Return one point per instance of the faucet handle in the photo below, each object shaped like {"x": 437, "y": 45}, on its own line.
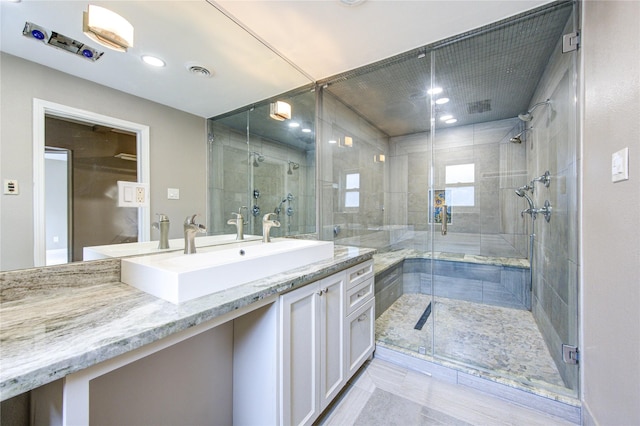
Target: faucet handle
{"x": 191, "y": 220}
{"x": 267, "y": 217}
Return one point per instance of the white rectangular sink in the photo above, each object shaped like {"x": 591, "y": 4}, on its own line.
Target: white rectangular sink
{"x": 178, "y": 277}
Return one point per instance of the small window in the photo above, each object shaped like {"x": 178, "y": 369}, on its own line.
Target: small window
{"x": 352, "y": 191}
{"x": 457, "y": 179}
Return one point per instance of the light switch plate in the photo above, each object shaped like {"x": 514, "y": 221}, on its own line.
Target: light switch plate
{"x": 173, "y": 193}
{"x": 620, "y": 165}
{"x": 133, "y": 194}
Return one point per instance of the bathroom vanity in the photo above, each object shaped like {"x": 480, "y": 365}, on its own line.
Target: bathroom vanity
{"x": 92, "y": 349}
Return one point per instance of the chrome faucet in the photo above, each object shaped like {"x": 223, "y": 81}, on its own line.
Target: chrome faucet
{"x": 191, "y": 228}
{"x": 163, "y": 225}
{"x": 267, "y": 223}
{"x": 239, "y": 223}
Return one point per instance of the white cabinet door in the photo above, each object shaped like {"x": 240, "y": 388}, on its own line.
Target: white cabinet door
{"x": 331, "y": 347}
{"x": 313, "y": 362}
{"x": 300, "y": 366}
{"x": 360, "y": 336}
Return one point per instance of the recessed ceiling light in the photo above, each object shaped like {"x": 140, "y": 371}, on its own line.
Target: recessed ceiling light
{"x": 451, "y": 121}
{"x": 294, "y": 124}
{"x": 153, "y": 61}
{"x": 441, "y": 101}
{"x": 435, "y": 91}
{"x": 446, "y": 117}
{"x": 306, "y": 130}
{"x": 333, "y": 141}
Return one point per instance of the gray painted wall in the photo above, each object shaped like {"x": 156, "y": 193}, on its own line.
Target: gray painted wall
{"x": 611, "y": 213}
{"x": 178, "y": 149}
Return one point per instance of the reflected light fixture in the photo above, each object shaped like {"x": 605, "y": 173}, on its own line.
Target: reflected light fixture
{"x": 378, "y": 158}
{"x": 347, "y": 142}
{"x": 442, "y": 101}
{"x": 280, "y": 111}
{"x": 435, "y": 91}
{"x": 107, "y": 28}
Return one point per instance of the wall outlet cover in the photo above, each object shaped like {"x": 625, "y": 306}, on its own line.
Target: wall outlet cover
{"x": 133, "y": 194}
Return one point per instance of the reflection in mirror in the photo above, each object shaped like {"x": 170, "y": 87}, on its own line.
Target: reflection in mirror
{"x": 265, "y": 165}
{"x": 173, "y": 102}
{"x": 97, "y": 157}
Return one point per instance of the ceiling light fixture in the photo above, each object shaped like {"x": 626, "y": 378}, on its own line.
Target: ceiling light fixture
{"x": 107, "y": 28}
{"x": 153, "y": 61}
{"x": 280, "y": 111}
{"x": 451, "y": 120}
{"x": 446, "y": 117}
{"x": 294, "y": 124}
{"x": 442, "y": 101}
{"x": 435, "y": 91}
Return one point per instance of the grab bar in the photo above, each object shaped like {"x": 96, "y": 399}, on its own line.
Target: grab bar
{"x": 443, "y": 219}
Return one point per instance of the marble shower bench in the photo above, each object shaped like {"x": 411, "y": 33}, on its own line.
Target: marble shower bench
{"x": 497, "y": 281}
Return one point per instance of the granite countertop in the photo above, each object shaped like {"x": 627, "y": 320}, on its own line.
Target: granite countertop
{"x": 50, "y": 327}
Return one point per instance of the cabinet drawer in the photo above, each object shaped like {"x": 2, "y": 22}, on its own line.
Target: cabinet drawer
{"x": 359, "y": 273}
{"x": 359, "y": 295}
{"x": 360, "y": 331}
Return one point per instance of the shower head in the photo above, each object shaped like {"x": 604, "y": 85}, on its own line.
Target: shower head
{"x": 292, "y": 166}
{"x": 516, "y": 138}
{"x": 257, "y": 158}
{"x": 527, "y": 116}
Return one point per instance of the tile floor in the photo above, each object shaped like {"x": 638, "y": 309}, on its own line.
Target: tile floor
{"x": 502, "y": 341}
{"x": 386, "y": 394}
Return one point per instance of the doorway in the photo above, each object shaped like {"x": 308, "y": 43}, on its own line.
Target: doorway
{"x": 99, "y": 146}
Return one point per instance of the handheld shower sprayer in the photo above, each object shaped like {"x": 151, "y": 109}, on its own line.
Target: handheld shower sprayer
{"x": 522, "y": 192}
{"x": 527, "y": 116}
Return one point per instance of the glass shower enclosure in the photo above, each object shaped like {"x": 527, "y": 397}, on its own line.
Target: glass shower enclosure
{"x": 462, "y": 156}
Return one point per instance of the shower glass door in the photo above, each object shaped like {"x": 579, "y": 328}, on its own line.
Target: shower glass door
{"x": 489, "y": 313}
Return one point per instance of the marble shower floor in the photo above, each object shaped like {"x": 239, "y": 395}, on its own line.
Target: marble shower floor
{"x": 499, "y": 341}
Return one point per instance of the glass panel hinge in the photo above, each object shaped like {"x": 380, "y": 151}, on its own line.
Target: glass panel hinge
{"x": 570, "y": 42}
{"x": 570, "y": 354}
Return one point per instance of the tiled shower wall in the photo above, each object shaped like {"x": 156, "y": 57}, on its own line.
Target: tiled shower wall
{"x": 552, "y": 146}
{"x": 232, "y": 181}
{"x": 348, "y": 225}
{"x": 491, "y": 225}
{"x": 394, "y": 195}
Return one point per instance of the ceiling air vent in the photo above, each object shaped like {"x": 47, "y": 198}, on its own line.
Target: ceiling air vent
{"x": 479, "y": 106}
{"x": 199, "y": 71}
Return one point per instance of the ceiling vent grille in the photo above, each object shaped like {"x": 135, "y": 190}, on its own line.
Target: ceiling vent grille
{"x": 479, "y": 106}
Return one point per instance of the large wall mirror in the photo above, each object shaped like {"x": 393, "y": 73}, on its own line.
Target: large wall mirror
{"x": 261, "y": 165}
{"x": 175, "y": 102}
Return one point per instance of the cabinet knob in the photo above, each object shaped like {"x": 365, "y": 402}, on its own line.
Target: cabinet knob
{"x": 362, "y": 317}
